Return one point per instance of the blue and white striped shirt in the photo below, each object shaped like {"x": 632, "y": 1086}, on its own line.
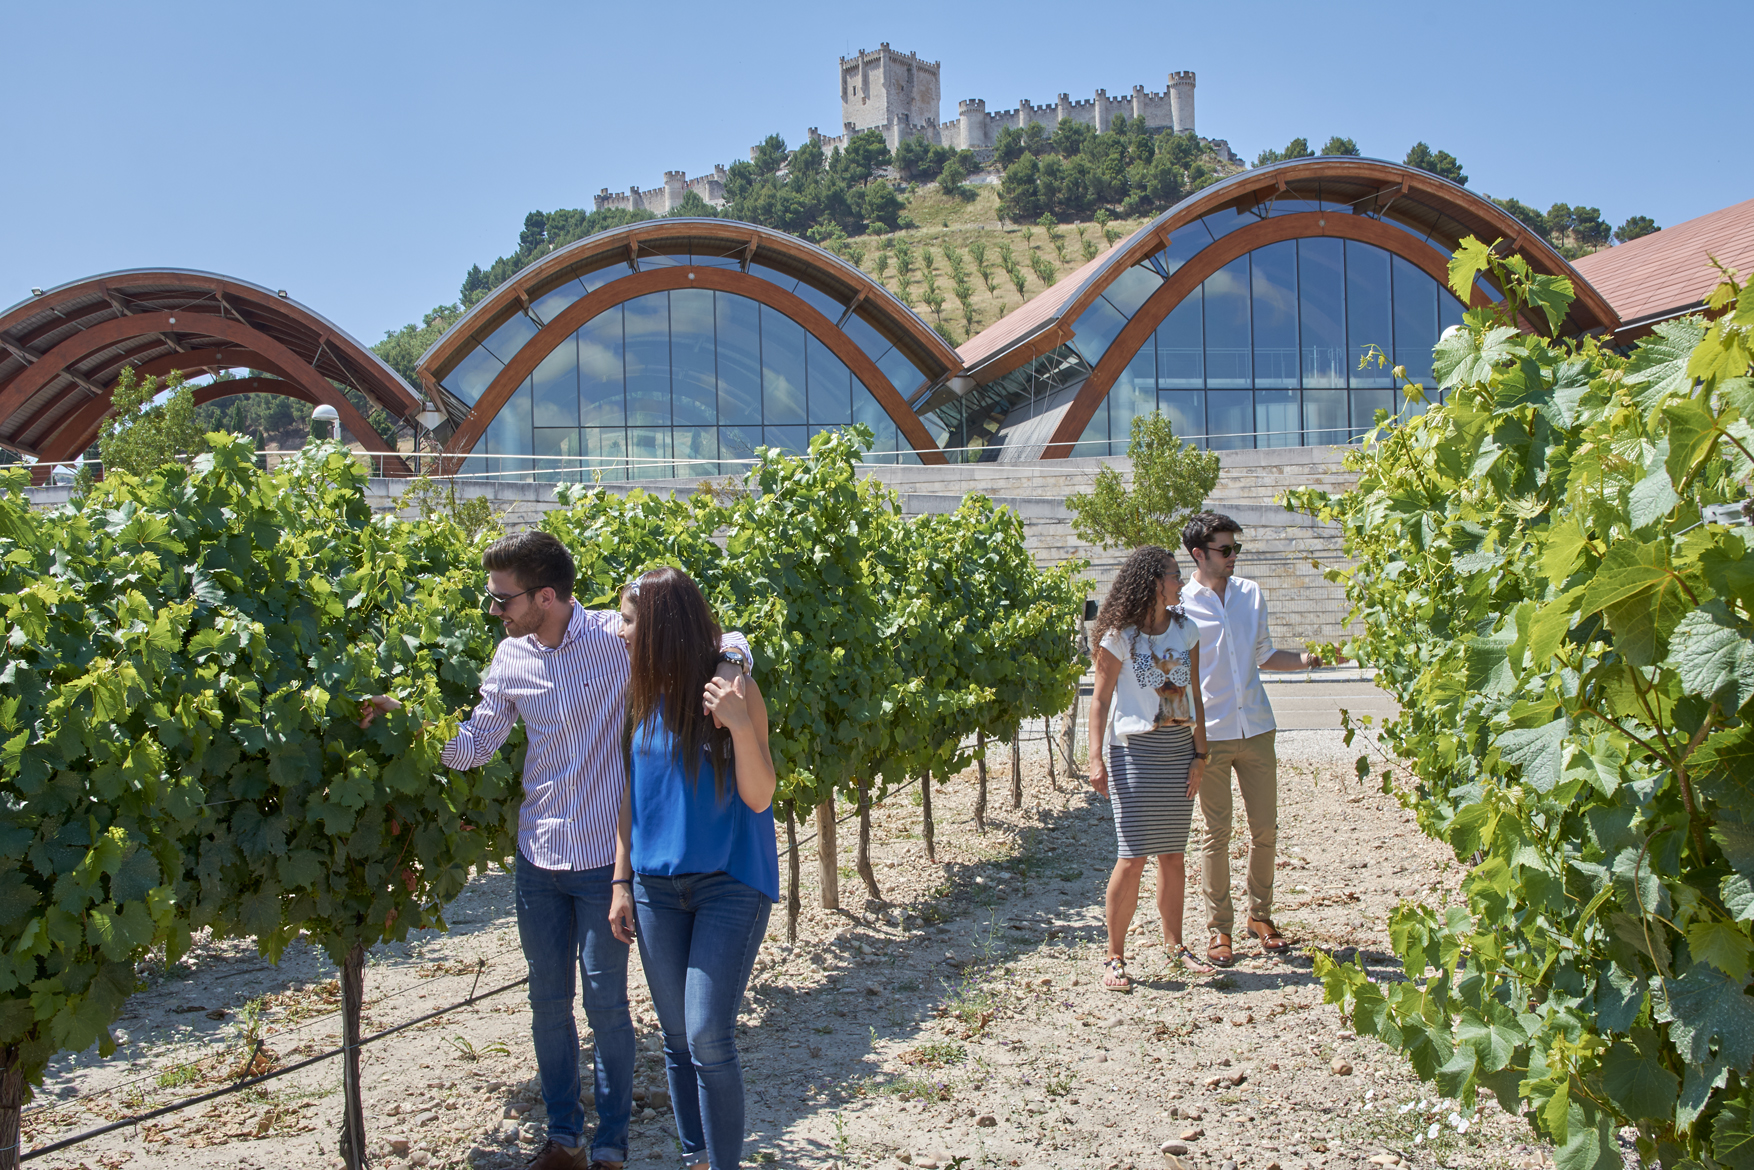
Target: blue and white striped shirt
{"x": 573, "y": 701}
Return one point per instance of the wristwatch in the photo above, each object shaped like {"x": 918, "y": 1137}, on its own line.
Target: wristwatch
{"x": 1202, "y": 755}
{"x": 736, "y": 658}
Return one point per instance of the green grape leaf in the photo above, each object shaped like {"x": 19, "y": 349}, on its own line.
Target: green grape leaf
{"x": 1736, "y": 838}
{"x": 1460, "y": 358}
{"x": 1724, "y": 764}
{"x": 1553, "y": 296}
{"x": 1637, "y": 1085}
{"x": 1692, "y": 432}
{"x": 1488, "y": 664}
{"x": 137, "y": 873}
{"x": 1652, "y": 497}
{"x": 1713, "y": 655}
{"x": 1732, "y": 1137}
{"x": 1471, "y": 258}
{"x": 1590, "y": 1143}
{"x": 1539, "y": 751}
{"x": 1723, "y": 945}
{"x": 1659, "y": 364}
{"x": 1737, "y": 894}
{"x": 1707, "y": 1007}
{"x": 1696, "y": 1086}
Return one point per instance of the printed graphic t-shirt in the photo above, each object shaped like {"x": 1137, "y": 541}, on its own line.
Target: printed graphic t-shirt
{"x": 1156, "y": 669}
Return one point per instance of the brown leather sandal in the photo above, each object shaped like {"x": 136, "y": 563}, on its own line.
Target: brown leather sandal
{"x": 1219, "y": 950}
{"x": 1271, "y": 940}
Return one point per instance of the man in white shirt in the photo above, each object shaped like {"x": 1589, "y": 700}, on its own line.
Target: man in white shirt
{"x": 1235, "y": 646}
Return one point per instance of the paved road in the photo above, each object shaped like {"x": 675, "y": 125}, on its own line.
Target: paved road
{"x": 1298, "y": 705}
{"x": 1312, "y": 700}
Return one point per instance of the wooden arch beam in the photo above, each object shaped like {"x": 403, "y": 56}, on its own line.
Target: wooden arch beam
{"x": 1187, "y": 278}
{"x": 639, "y": 284}
{"x": 278, "y": 358}
{"x": 80, "y": 431}
{"x": 198, "y": 359}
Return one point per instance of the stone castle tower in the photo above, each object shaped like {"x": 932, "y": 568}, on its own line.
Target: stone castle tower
{"x": 898, "y": 93}
{"x": 888, "y": 88}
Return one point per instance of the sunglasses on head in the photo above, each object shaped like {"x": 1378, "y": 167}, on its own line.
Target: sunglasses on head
{"x": 1225, "y": 550}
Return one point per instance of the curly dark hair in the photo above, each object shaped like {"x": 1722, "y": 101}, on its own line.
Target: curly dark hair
{"x": 1133, "y": 594}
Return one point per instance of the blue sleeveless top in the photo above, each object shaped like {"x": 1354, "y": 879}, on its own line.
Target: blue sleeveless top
{"x": 681, "y": 826}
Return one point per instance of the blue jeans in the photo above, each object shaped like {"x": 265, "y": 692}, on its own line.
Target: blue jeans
{"x": 563, "y": 919}
{"x": 698, "y": 934}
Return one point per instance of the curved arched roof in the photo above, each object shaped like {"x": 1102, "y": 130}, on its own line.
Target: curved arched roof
{"x": 62, "y": 351}
{"x": 558, "y": 293}
{"x": 1425, "y": 211}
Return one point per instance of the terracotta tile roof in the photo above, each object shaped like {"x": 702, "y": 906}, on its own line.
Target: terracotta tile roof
{"x": 1033, "y": 314}
{"x": 1671, "y": 270}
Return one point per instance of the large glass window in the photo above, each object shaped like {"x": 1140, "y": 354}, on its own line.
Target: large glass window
{"x": 1321, "y": 310}
{"x": 1227, "y": 326}
{"x": 1369, "y": 322}
{"x": 1181, "y": 350}
{"x": 1265, "y": 352}
{"x": 670, "y": 384}
{"x": 1273, "y": 285}
{"x": 1415, "y": 320}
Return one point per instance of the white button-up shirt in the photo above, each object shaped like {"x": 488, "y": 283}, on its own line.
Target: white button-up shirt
{"x": 573, "y": 701}
{"x": 1234, "y": 642}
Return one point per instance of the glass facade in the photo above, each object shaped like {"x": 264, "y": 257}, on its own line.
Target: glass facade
{"x": 676, "y": 384}
{"x": 673, "y": 384}
{"x": 1266, "y": 352}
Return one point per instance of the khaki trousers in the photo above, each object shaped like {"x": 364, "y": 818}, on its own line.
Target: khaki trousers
{"x": 1257, "y": 775}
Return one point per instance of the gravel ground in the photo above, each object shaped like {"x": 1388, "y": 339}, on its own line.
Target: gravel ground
{"x": 958, "y": 1021}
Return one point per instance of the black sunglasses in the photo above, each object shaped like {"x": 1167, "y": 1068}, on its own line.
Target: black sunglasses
{"x": 1225, "y": 550}
{"x": 489, "y": 599}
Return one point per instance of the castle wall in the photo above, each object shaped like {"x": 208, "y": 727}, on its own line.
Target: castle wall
{"x": 663, "y": 200}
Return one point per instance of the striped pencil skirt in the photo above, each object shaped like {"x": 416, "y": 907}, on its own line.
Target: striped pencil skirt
{"x": 1148, "y": 782}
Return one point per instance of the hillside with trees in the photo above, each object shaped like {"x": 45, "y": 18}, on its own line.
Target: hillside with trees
{"x": 961, "y": 240}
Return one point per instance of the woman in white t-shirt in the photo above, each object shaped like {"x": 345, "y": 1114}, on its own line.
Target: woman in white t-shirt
{"x": 1153, "y": 750}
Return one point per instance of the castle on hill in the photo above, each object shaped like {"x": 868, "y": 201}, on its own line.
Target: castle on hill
{"x": 898, "y": 93}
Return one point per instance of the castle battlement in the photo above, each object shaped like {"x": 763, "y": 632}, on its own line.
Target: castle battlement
{"x": 665, "y": 199}
{"x": 898, "y": 93}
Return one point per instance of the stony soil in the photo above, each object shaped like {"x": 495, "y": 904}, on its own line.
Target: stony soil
{"x": 958, "y": 1022}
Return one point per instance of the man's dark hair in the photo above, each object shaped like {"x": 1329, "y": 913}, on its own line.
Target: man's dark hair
{"x": 1204, "y": 526}
{"x": 537, "y": 559}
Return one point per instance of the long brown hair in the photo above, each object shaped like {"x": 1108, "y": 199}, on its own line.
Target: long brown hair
{"x": 674, "y": 651}
{"x": 1133, "y": 594}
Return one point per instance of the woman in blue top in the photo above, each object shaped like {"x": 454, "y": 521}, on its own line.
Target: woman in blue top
{"x": 695, "y": 862}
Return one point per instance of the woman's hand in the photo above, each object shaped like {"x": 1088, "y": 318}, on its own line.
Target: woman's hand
{"x": 369, "y": 709}
{"x": 1099, "y": 775}
{"x": 726, "y": 701}
{"x": 621, "y": 919}
{"x": 1196, "y": 773}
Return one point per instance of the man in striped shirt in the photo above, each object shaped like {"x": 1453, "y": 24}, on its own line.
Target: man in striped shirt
{"x": 563, "y": 670}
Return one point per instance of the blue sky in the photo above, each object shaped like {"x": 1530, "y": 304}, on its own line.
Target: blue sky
{"x": 363, "y": 155}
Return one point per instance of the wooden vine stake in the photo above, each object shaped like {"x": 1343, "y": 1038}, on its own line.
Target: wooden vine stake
{"x": 1017, "y": 768}
{"x": 828, "y": 855}
{"x": 863, "y": 859}
{"x": 928, "y": 831}
{"x": 353, "y": 1101}
{"x": 11, "y": 1106}
{"x": 1069, "y": 740}
{"x": 792, "y": 906}
{"x": 1047, "y": 734}
{"x": 980, "y": 792}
